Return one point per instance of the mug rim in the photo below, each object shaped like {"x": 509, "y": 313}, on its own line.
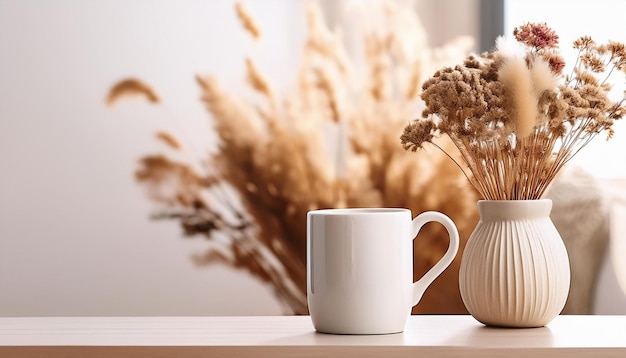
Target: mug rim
{"x": 358, "y": 211}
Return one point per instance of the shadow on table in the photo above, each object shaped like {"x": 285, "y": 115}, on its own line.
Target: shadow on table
{"x": 323, "y": 339}
{"x": 483, "y": 336}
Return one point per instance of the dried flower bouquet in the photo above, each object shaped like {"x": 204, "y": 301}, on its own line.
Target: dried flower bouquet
{"x": 330, "y": 142}
{"x": 513, "y": 114}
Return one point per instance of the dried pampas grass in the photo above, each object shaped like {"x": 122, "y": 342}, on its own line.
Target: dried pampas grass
{"x": 169, "y": 140}
{"x": 131, "y": 87}
{"x": 330, "y": 142}
{"x": 517, "y": 82}
{"x": 247, "y": 21}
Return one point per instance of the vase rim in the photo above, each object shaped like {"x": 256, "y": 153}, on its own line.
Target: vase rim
{"x": 514, "y": 209}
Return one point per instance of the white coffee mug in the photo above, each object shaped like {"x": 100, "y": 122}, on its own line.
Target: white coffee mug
{"x": 360, "y": 268}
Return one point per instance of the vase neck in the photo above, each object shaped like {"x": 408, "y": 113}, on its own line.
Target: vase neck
{"x": 514, "y": 209}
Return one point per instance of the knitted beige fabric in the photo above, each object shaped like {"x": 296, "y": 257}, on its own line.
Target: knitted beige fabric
{"x": 580, "y": 214}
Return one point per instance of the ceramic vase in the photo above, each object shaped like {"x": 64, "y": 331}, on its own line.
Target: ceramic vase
{"x": 515, "y": 269}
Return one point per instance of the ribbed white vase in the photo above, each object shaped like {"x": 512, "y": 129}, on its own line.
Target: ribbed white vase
{"x": 515, "y": 270}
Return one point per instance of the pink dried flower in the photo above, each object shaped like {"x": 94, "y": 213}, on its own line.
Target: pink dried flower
{"x": 535, "y": 35}
{"x": 557, "y": 63}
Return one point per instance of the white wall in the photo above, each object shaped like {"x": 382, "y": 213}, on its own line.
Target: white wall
{"x": 75, "y": 233}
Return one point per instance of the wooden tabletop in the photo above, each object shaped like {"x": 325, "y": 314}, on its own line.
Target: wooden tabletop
{"x": 294, "y": 336}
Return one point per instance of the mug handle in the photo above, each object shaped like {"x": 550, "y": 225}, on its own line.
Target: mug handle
{"x": 422, "y": 284}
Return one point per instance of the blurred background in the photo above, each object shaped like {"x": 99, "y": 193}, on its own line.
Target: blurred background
{"x": 76, "y": 233}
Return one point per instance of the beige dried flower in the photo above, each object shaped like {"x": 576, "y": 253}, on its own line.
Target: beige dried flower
{"x": 515, "y": 119}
